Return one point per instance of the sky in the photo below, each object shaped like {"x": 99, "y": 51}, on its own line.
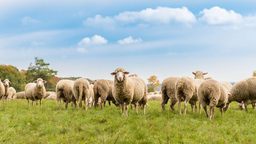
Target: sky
{"x": 91, "y": 38}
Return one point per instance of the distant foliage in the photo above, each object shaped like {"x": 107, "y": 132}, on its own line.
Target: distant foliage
{"x": 153, "y": 83}
{"x": 16, "y": 77}
{"x": 41, "y": 70}
{"x": 254, "y": 73}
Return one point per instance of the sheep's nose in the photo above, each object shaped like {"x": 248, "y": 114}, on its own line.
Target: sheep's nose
{"x": 120, "y": 78}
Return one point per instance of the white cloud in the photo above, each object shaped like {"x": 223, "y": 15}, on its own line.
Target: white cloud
{"x": 164, "y": 15}
{"x": 89, "y": 42}
{"x": 28, "y": 20}
{"x": 128, "y": 40}
{"x": 217, "y": 15}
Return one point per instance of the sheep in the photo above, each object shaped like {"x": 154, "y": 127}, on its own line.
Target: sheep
{"x": 64, "y": 91}
{"x": 214, "y": 94}
{"x": 241, "y": 105}
{"x": 129, "y": 90}
{"x": 9, "y": 91}
{"x": 103, "y": 89}
{"x": 2, "y": 90}
{"x": 51, "y": 96}
{"x": 186, "y": 90}
{"x": 19, "y": 95}
{"x": 155, "y": 97}
{"x": 91, "y": 95}
{"x": 35, "y": 91}
{"x": 243, "y": 92}
{"x": 81, "y": 91}
{"x": 199, "y": 74}
{"x": 168, "y": 92}
{"x": 48, "y": 93}
{"x": 227, "y": 85}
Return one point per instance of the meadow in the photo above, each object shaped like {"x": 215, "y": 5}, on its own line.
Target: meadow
{"x": 20, "y": 123}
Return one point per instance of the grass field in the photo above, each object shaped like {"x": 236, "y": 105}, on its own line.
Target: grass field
{"x": 21, "y": 123}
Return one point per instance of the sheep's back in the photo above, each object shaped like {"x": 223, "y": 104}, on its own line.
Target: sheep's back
{"x": 29, "y": 90}
{"x": 209, "y": 90}
{"x": 64, "y": 88}
{"x": 168, "y": 86}
{"x": 138, "y": 87}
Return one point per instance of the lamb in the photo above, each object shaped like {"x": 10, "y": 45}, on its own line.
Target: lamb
{"x": 9, "y": 91}
{"x": 64, "y": 91}
{"x": 214, "y": 94}
{"x": 103, "y": 89}
{"x": 199, "y": 74}
{"x": 129, "y": 90}
{"x": 19, "y": 95}
{"x": 2, "y": 90}
{"x": 81, "y": 91}
{"x": 168, "y": 92}
{"x": 35, "y": 91}
{"x": 243, "y": 92}
{"x": 186, "y": 90}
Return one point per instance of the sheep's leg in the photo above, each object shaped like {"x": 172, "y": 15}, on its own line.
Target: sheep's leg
{"x": 144, "y": 109}
{"x": 179, "y": 101}
{"x": 122, "y": 106}
{"x": 195, "y": 108}
{"x": 28, "y": 101}
{"x": 66, "y": 105}
{"x": 86, "y": 104}
{"x": 185, "y": 106}
{"x": 59, "y": 103}
{"x": 211, "y": 112}
{"x": 205, "y": 109}
{"x": 132, "y": 106}
{"x": 74, "y": 102}
{"x": 221, "y": 111}
{"x": 173, "y": 102}
{"x": 109, "y": 103}
{"x": 40, "y": 102}
{"x": 126, "y": 109}
{"x": 200, "y": 107}
{"x": 103, "y": 101}
{"x": 192, "y": 108}
{"x": 36, "y": 102}
{"x": 136, "y": 107}
{"x": 253, "y": 106}
{"x": 164, "y": 101}
{"x": 32, "y": 102}
{"x": 96, "y": 98}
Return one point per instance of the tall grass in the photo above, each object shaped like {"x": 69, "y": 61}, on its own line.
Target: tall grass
{"x": 20, "y": 123}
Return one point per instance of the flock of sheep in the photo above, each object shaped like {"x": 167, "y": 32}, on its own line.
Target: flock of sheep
{"x": 131, "y": 90}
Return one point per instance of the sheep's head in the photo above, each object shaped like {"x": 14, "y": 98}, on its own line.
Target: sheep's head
{"x": 119, "y": 74}
{"x": 40, "y": 82}
{"x": 199, "y": 74}
{"x": 7, "y": 83}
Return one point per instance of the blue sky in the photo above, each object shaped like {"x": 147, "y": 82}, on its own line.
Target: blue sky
{"x": 163, "y": 38}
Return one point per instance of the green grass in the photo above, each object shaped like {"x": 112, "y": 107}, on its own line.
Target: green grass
{"x": 20, "y": 123}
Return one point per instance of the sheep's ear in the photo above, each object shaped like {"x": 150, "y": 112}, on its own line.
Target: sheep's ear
{"x": 35, "y": 81}
{"x": 205, "y": 73}
{"x": 193, "y": 73}
{"x": 113, "y": 73}
{"x": 10, "y": 83}
{"x": 3, "y": 82}
{"x": 44, "y": 81}
{"x": 229, "y": 94}
{"x": 126, "y": 72}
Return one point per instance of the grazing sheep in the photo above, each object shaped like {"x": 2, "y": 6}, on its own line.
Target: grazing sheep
{"x": 241, "y": 105}
{"x": 129, "y": 90}
{"x": 9, "y": 91}
{"x": 199, "y": 74}
{"x": 35, "y": 91}
{"x": 91, "y": 95}
{"x": 64, "y": 91}
{"x": 133, "y": 75}
{"x": 214, "y": 94}
{"x": 243, "y": 92}
{"x": 103, "y": 89}
{"x": 155, "y": 97}
{"x": 19, "y": 95}
{"x": 48, "y": 93}
{"x": 186, "y": 90}
{"x": 2, "y": 90}
{"x": 168, "y": 92}
{"x": 52, "y": 96}
{"x": 227, "y": 85}
{"x": 81, "y": 91}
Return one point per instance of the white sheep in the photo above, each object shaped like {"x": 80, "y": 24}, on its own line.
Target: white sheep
{"x": 213, "y": 94}
{"x": 19, "y": 95}
{"x": 186, "y": 90}
{"x": 81, "y": 91}
{"x": 2, "y": 90}
{"x": 168, "y": 92}
{"x": 64, "y": 91}
{"x": 129, "y": 90}
{"x": 9, "y": 91}
{"x": 103, "y": 89}
{"x": 199, "y": 74}
{"x": 35, "y": 91}
{"x": 91, "y": 95}
{"x": 51, "y": 96}
{"x": 243, "y": 92}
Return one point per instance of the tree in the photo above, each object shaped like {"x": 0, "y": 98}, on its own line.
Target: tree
{"x": 41, "y": 70}
{"x": 12, "y": 73}
{"x": 153, "y": 84}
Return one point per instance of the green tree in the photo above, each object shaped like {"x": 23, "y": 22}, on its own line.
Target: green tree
{"x": 153, "y": 83}
{"x": 12, "y": 73}
{"x": 41, "y": 70}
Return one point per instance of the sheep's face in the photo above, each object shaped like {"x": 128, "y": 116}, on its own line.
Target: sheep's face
{"x": 40, "y": 82}
{"x": 119, "y": 74}
{"x": 199, "y": 74}
{"x": 7, "y": 83}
